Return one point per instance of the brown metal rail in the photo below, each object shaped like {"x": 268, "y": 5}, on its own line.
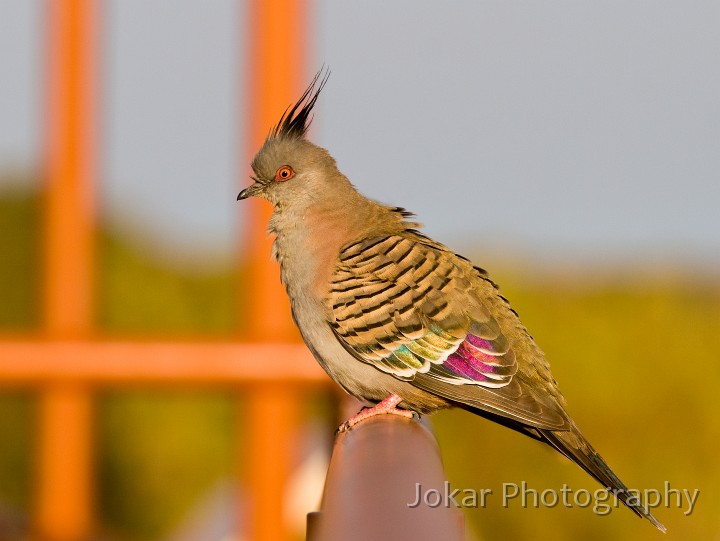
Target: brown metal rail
{"x": 375, "y": 473}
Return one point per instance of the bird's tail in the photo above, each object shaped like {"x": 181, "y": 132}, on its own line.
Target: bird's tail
{"x": 573, "y": 445}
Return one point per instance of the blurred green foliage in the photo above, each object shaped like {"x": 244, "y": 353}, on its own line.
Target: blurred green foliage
{"x": 19, "y": 260}
{"x": 141, "y": 295}
{"x": 637, "y": 358}
{"x": 160, "y": 452}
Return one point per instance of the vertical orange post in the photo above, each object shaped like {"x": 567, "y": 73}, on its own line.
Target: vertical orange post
{"x": 275, "y": 80}
{"x": 70, "y": 167}
{"x": 64, "y": 476}
{"x": 64, "y": 499}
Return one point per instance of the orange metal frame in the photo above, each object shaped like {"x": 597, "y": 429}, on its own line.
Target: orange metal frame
{"x": 68, "y": 362}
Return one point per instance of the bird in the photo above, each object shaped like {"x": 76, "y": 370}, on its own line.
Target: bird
{"x": 396, "y": 318}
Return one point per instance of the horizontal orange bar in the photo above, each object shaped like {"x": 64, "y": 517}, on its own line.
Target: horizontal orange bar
{"x": 116, "y": 362}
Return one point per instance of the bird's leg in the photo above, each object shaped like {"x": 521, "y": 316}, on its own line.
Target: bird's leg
{"x": 386, "y": 406}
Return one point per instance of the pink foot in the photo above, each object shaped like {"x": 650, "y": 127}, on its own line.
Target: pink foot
{"x": 386, "y": 406}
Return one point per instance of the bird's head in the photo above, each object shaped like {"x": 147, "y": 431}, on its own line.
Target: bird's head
{"x": 289, "y": 168}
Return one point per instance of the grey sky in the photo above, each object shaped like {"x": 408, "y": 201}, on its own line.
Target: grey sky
{"x": 560, "y": 129}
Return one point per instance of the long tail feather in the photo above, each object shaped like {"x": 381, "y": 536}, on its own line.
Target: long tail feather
{"x": 573, "y": 445}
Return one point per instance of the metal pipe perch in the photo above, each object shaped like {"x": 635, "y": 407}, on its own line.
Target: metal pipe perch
{"x": 372, "y": 481}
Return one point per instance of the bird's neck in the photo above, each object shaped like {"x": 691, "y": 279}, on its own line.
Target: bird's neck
{"x": 308, "y": 240}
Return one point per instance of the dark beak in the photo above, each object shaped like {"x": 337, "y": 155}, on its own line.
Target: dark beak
{"x": 250, "y": 191}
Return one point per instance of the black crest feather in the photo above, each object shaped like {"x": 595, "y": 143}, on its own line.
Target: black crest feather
{"x": 296, "y": 120}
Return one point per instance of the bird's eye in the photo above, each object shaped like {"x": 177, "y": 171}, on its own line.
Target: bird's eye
{"x": 284, "y": 173}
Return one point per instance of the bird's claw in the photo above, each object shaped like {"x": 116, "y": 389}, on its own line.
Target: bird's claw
{"x": 387, "y": 406}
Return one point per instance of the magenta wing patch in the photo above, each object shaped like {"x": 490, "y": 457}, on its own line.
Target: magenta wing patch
{"x": 477, "y": 359}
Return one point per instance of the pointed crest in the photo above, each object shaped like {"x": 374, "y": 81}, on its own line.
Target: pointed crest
{"x": 296, "y": 120}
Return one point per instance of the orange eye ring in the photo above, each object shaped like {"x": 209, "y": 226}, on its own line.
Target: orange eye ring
{"x": 284, "y": 173}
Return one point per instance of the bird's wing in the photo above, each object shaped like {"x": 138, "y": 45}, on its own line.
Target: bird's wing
{"x": 412, "y": 309}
